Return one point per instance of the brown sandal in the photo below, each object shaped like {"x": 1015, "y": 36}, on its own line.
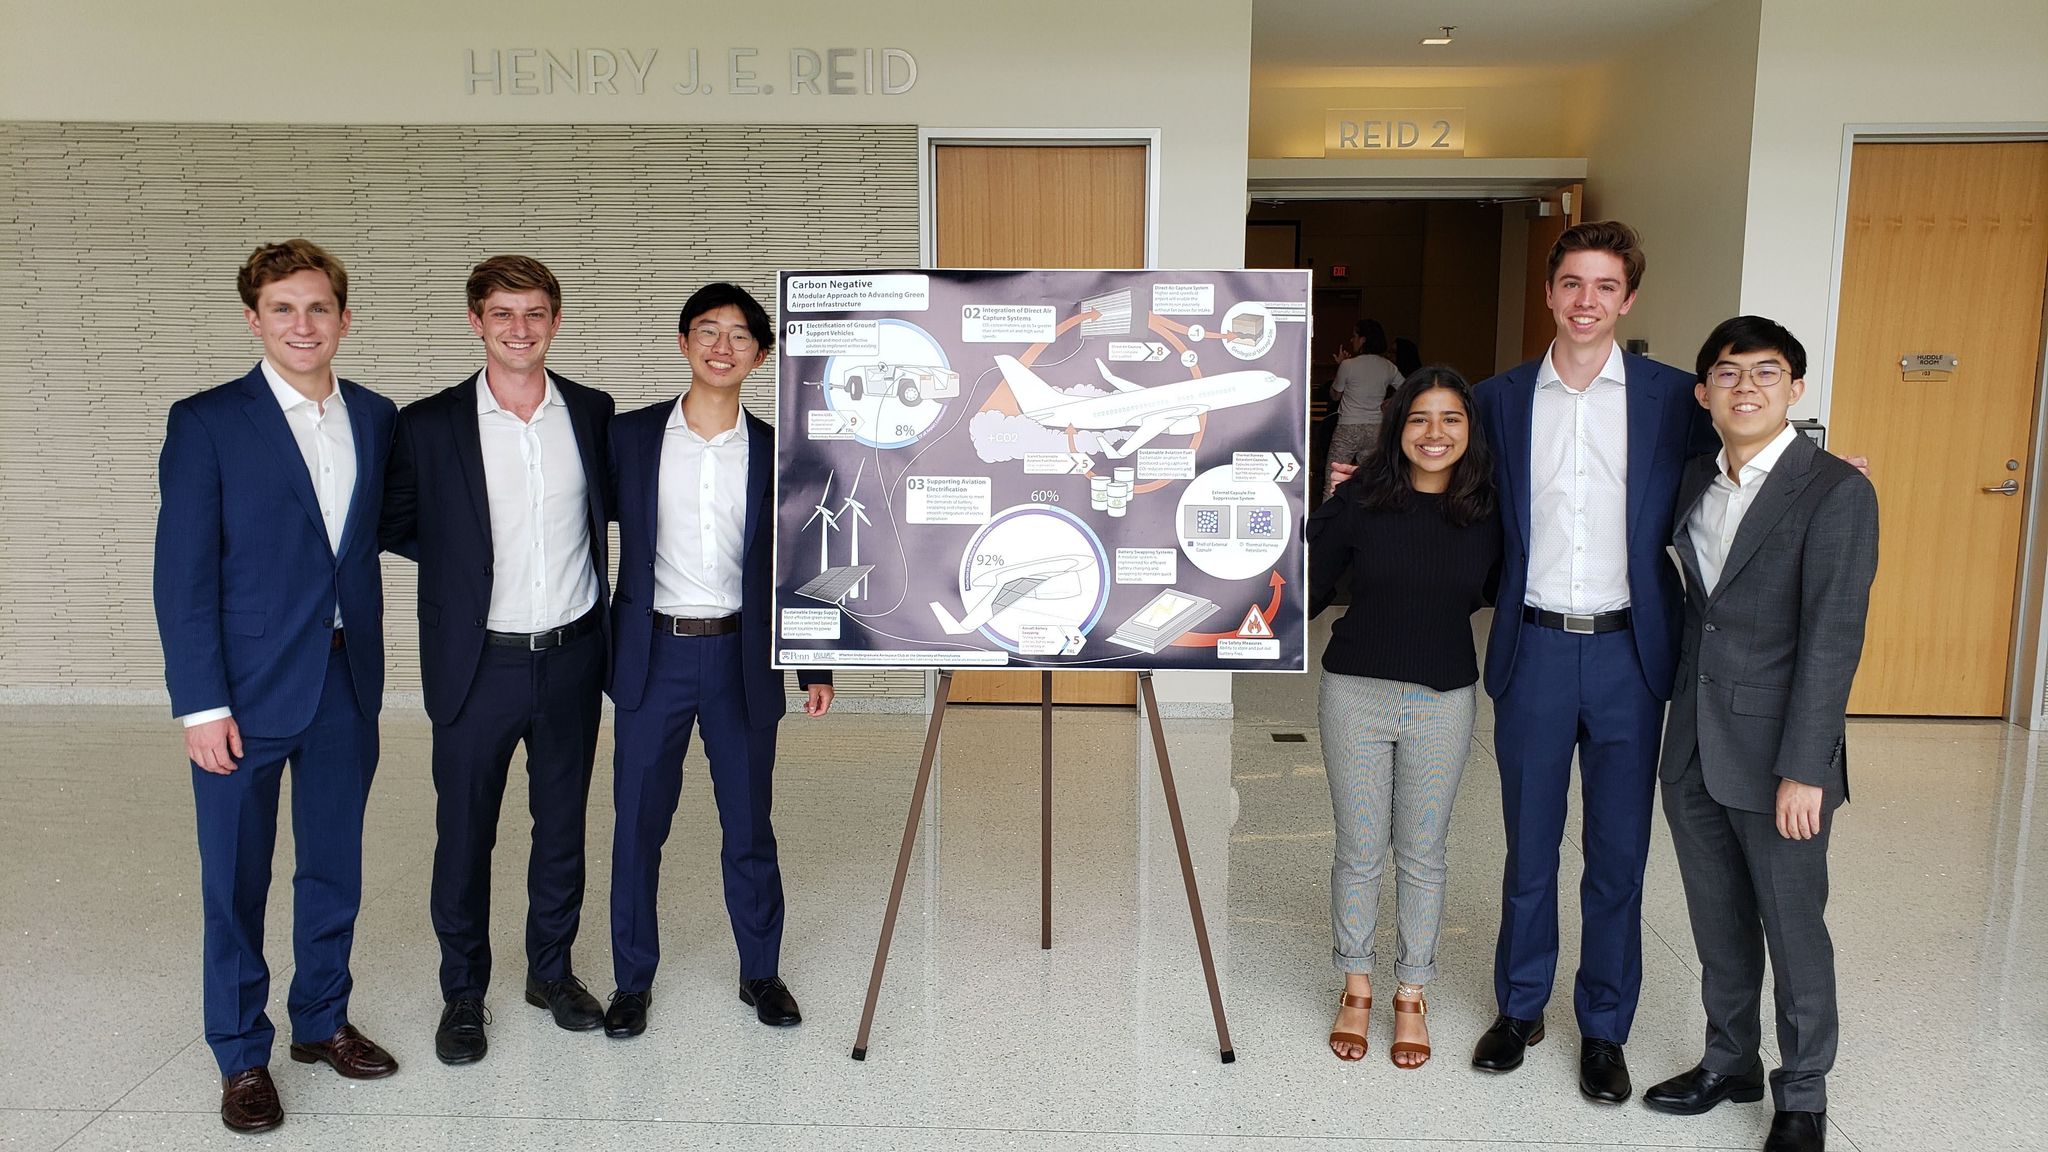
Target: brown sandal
{"x": 1416, "y": 1007}
{"x": 1347, "y": 1000}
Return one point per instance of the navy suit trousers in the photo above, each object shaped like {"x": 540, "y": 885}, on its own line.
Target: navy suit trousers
{"x": 332, "y": 762}
{"x": 1585, "y": 694}
{"x": 550, "y": 700}
{"x": 693, "y": 681}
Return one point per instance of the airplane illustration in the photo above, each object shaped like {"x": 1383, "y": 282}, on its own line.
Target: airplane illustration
{"x": 1049, "y": 579}
{"x": 1163, "y": 408}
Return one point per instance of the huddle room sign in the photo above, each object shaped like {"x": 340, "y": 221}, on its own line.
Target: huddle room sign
{"x": 687, "y": 72}
{"x": 1410, "y": 131}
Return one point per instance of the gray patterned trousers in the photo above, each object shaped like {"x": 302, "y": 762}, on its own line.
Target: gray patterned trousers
{"x": 1393, "y": 753}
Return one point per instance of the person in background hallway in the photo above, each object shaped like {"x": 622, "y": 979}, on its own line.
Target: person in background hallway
{"x": 1779, "y": 545}
{"x": 691, "y": 642}
{"x": 1592, "y": 442}
{"x": 1364, "y": 378}
{"x": 497, "y": 489}
{"x": 270, "y": 605}
{"x": 1419, "y": 533}
{"x": 1407, "y": 358}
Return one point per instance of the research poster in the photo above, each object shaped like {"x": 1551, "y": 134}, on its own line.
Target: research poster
{"x": 1042, "y": 470}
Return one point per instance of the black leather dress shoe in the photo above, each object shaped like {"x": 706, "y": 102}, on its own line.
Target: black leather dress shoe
{"x": 460, "y": 1038}
{"x": 1502, "y": 1046}
{"x": 1603, "y": 1072}
{"x": 1694, "y": 1092}
{"x": 1798, "y": 1132}
{"x": 628, "y": 1014}
{"x": 771, "y": 1001}
{"x": 571, "y": 1003}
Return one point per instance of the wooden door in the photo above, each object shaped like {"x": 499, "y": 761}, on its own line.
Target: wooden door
{"x": 1033, "y": 206}
{"x": 1538, "y": 326}
{"x": 1946, "y": 251}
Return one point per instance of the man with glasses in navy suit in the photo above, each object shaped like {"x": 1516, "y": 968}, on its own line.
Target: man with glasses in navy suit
{"x": 691, "y": 484}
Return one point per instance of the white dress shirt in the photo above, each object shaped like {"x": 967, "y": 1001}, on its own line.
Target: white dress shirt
{"x": 328, "y": 446}
{"x": 700, "y": 516}
{"x": 1718, "y": 515}
{"x": 1578, "y": 499}
{"x": 541, "y": 575}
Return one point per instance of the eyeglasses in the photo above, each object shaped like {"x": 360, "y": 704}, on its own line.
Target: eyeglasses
{"x": 706, "y": 335}
{"x": 1729, "y": 375}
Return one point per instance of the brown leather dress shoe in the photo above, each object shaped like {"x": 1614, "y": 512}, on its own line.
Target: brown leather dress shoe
{"x": 350, "y": 1053}
{"x": 248, "y": 1101}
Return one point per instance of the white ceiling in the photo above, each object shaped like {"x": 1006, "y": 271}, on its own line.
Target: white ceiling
{"x": 1312, "y": 42}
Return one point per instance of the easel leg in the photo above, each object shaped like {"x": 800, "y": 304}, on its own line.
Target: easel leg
{"x": 1045, "y": 810}
{"x": 1187, "y": 869}
{"x": 924, "y": 779}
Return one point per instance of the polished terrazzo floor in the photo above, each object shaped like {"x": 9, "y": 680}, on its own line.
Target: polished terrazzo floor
{"x": 982, "y": 1040}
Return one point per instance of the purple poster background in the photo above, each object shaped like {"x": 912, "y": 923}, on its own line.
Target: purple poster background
{"x": 1042, "y": 470}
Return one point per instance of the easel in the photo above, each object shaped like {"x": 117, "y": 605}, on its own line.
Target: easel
{"x": 1180, "y": 843}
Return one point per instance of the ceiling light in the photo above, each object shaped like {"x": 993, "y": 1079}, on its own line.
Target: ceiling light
{"x": 1439, "y": 41}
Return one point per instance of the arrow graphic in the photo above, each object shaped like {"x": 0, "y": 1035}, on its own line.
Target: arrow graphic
{"x": 1209, "y": 639}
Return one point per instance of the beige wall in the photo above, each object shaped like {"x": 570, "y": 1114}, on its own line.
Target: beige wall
{"x": 1667, "y": 146}
{"x": 1180, "y": 68}
{"x": 1826, "y": 64}
{"x": 1505, "y": 119}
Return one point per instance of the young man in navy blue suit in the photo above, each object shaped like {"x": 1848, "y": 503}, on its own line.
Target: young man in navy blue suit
{"x": 269, "y": 602}
{"x": 1591, "y": 443}
{"x": 497, "y": 489}
{"x": 692, "y": 493}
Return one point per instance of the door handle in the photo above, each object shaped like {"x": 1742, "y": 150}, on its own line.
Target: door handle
{"x": 2009, "y": 488}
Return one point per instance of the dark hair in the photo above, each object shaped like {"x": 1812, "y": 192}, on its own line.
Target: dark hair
{"x": 1610, "y": 236}
{"x": 1407, "y": 357}
{"x": 1372, "y": 337}
{"x": 512, "y": 274}
{"x": 1752, "y": 334}
{"x": 270, "y": 263}
{"x": 712, "y": 297}
{"x": 1383, "y": 476}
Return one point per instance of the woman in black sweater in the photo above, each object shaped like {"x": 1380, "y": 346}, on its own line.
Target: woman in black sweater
{"x": 1418, "y": 530}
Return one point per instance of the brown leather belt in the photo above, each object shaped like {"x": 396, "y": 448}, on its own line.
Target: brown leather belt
{"x": 1577, "y": 625}
{"x": 688, "y": 626}
{"x": 552, "y": 638}
{"x": 338, "y": 643}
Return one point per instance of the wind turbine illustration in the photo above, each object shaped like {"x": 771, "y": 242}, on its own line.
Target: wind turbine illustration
{"x": 831, "y": 519}
{"x": 860, "y": 517}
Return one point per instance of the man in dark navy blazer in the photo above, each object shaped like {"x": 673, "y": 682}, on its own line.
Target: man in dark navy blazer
{"x": 1590, "y": 444}
{"x": 691, "y": 484}
{"x": 269, "y": 602}
{"x": 497, "y": 489}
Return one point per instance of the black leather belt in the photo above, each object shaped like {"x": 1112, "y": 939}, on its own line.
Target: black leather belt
{"x": 552, "y": 638}
{"x": 1578, "y": 625}
{"x": 688, "y": 626}
{"x": 339, "y": 642}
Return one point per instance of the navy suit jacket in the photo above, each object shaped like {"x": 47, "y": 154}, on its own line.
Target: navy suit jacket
{"x": 1666, "y": 427}
{"x": 245, "y": 580}
{"x": 636, "y": 441}
{"x": 438, "y": 512}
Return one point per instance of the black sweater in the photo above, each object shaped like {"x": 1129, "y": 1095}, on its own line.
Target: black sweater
{"x": 1416, "y": 579}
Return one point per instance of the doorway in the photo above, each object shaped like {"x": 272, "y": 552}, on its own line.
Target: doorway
{"x": 1943, "y": 256}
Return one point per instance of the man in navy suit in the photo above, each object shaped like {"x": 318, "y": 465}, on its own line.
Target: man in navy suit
{"x": 1591, "y": 443}
{"x": 269, "y": 602}
{"x": 691, "y": 647}
{"x": 497, "y": 489}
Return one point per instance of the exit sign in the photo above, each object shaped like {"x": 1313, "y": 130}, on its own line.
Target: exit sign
{"x": 1392, "y": 131}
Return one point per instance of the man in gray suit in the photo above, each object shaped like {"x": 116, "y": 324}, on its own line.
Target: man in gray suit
{"x": 1779, "y": 545}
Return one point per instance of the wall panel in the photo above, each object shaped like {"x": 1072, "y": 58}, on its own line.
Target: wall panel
{"x": 118, "y": 250}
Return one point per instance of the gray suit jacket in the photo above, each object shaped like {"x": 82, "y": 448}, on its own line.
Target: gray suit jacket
{"x": 1766, "y": 660}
